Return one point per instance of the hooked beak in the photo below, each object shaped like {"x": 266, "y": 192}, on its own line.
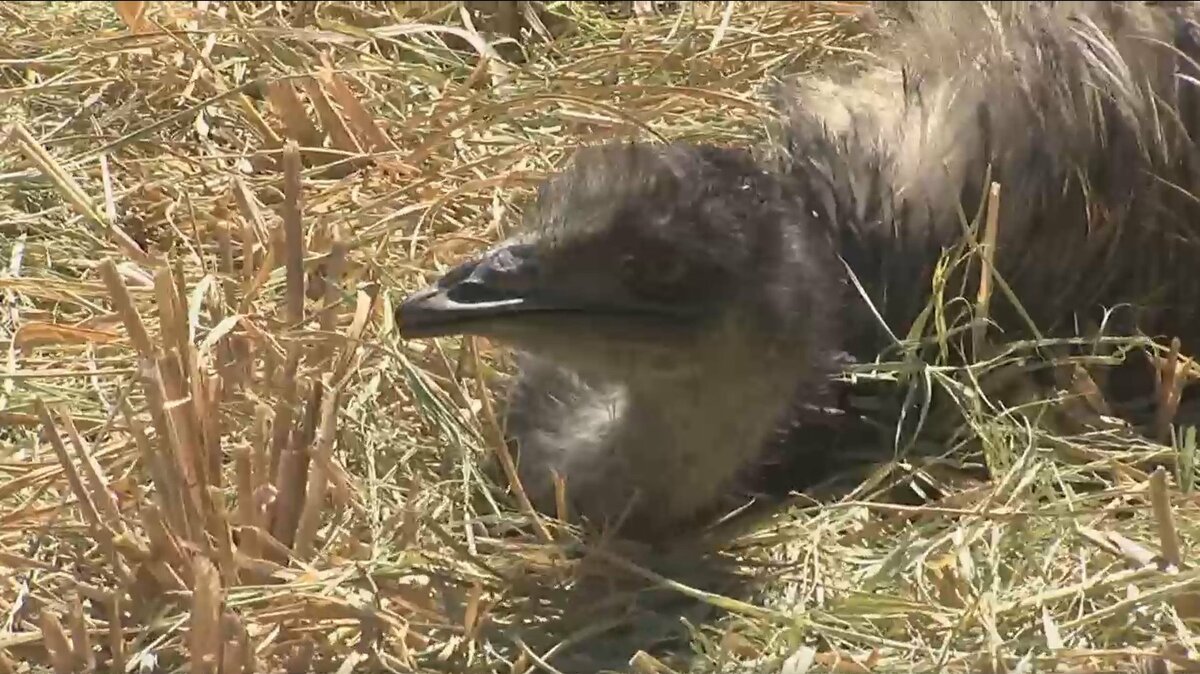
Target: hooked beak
{"x": 499, "y": 284}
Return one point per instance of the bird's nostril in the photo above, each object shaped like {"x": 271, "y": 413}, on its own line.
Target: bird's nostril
{"x": 458, "y": 274}
{"x": 473, "y": 292}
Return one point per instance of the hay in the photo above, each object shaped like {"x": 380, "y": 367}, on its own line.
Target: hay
{"x": 216, "y": 455}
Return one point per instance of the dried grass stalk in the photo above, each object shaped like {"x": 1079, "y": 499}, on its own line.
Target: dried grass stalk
{"x": 205, "y": 640}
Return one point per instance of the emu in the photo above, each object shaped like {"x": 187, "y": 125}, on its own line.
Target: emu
{"x": 678, "y": 310}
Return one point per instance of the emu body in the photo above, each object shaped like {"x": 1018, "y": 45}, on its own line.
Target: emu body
{"x": 680, "y": 308}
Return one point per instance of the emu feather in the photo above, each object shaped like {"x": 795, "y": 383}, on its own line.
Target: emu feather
{"x": 679, "y": 309}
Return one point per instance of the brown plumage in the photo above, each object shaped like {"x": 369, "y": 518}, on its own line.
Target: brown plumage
{"x": 679, "y": 309}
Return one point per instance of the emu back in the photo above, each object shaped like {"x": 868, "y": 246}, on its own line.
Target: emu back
{"x": 1085, "y": 114}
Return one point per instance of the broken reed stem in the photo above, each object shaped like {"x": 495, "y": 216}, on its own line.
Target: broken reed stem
{"x": 58, "y": 647}
{"x": 293, "y": 474}
{"x": 116, "y": 636}
{"x": 273, "y": 551}
{"x": 170, "y": 485}
{"x": 332, "y": 269}
{"x": 254, "y": 228}
{"x": 1170, "y": 391}
{"x": 239, "y": 652}
{"x": 293, "y": 228}
{"x": 124, "y": 307}
{"x": 284, "y": 411}
{"x": 87, "y": 506}
{"x": 81, "y": 642}
{"x": 987, "y": 256}
{"x": 284, "y": 462}
{"x": 166, "y": 491}
{"x": 226, "y": 352}
{"x": 360, "y": 119}
{"x": 177, "y": 463}
{"x": 243, "y": 470}
{"x": 1164, "y": 518}
{"x": 560, "y": 496}
{"x": 204, "y": 631}
{"x": 168, "y": 567}
{"x": 284, "y": 99}
{"x": 206, "y": 405}
{"x": 92, "y": 473}
{"x": 364, "y": 308}
{"x": 184, "y": 436}
{"x": 168, "y": 449}
{"x": 220, "y": 528}
{"x": 172, "y": 315}
{"x": 254, "y": 231}
{"x": 318, "y": 475}
{"x": 333, "y": 123}
{"x": 260, "y": 466}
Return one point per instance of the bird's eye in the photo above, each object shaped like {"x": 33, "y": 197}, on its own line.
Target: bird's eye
{"x": 673, "y": 271}
{"x": 654, "y": 276}
{"x": 629, "y": 270}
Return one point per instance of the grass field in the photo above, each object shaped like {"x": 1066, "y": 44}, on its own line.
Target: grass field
{"x": 215, "y": 455}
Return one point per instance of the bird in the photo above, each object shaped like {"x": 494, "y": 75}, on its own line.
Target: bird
{"x": 679, "y": 310}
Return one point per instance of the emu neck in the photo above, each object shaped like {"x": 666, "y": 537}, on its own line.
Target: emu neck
{"x": 683, "y": 443}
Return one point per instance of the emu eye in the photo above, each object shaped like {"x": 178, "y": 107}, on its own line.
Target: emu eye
{"x": 672, "y": 272}
{"x": 655, "y": 275}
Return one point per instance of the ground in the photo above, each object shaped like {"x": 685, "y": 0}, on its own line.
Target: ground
{"x": 217, "y": 455}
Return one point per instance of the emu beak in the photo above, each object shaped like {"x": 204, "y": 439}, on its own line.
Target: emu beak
{"x": 499, "y": 284}
{"x": 504, "y": 289}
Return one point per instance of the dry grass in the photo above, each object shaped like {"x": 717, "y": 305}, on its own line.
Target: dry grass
{"x": 216, "y": 455}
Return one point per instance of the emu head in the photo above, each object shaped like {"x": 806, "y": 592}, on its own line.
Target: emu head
{"x": 643, "y": 261}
